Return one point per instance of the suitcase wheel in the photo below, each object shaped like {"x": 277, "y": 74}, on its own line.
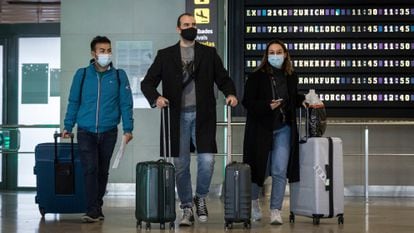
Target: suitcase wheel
{"x": 172, "y": 226}
{"x": 42, "y": 211}
{"x": 148, "y": 226}
{"x": 291, "y": 217}
{"x": 341, "y": 219}
{"x": 247, "y": 225}
{"x": 228, "y": 225}
{"x": 316, "y": 220}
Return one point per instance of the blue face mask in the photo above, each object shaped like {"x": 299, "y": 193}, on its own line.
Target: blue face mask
{"x": 276, "y": 60}
{"x": 104, "y": 59}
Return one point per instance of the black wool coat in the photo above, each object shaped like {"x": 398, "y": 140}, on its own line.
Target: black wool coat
{"x": 258, "y": 136}
{"x": 209, "y": 70}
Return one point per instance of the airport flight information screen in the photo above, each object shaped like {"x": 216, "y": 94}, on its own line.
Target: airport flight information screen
{"x": 357, "y": 55}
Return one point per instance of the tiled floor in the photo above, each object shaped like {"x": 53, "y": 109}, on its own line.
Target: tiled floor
{"x": 20, "y": 214}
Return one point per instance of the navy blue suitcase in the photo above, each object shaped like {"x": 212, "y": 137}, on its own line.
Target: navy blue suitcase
{"x": 59, "y": 178}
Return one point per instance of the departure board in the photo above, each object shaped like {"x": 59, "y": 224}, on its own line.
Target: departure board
{"x": 357, "y": 55}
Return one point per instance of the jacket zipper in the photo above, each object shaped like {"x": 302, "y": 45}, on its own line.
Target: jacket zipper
{"x": 97, "y": 102}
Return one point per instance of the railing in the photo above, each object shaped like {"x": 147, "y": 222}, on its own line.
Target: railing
{"x": 362, "y": 123}
{"x": 365, "y": 124}
{"x": 11, "y": 133}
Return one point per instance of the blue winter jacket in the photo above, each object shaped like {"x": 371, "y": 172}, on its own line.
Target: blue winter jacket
{"x": 104, "y": 100}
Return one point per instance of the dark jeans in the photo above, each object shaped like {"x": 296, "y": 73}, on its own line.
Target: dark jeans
{"x": 95, "y": 150}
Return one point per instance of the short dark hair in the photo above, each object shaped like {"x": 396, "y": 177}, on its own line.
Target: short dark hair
{"x": 99, "y": 39}
{"x": 183, "y": 14}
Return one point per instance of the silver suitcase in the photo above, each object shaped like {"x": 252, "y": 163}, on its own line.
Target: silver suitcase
{"x": 320, "y": 191}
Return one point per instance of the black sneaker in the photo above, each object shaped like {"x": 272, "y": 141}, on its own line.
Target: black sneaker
{"x": 101, "y": 215}
{"x": 89, "y": 218}
{"x": 201, "y": 208}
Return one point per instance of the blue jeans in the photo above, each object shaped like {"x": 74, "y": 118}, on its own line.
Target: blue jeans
{"x": 95, "y": 151}
{"x": 277, "y": 165}
{"x": 205, "y": 163}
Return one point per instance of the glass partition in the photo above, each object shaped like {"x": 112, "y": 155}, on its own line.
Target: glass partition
{"x": 39, "y": 100}
{"x": 1, "y": 106}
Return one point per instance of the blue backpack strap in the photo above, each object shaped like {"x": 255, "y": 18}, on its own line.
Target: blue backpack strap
{"x": 117, "y": 78}
{"x": 81, "y": 86}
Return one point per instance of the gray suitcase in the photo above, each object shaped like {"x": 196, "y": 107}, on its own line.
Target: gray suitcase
{"x": 237, "y": 187}
{"x": 237, "y": 194}
{"x": 320, "y": 191}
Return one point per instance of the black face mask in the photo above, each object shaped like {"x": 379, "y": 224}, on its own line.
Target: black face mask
{"x": 189, "y": 33}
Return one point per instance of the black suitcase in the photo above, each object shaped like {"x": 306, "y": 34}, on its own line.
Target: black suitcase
{"x": 237, "y": 195}
{"x": 155, "y": 188}
{"x": 237, "y": 187}
{"x": 59, "y": 178}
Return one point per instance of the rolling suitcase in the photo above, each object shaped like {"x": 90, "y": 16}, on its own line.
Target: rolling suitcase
{"x": 237, "y": 187}
{"x": 320, "y": 191}
{"x": 59, "y": 178}
{"x": 155, "y": 187}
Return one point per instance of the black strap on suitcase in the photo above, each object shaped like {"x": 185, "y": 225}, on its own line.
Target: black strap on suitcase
{"x": 64, "y": 171}
{"x": 330, "y": 177}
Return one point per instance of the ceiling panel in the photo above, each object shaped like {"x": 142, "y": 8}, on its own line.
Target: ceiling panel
{"x": 29, "y": 11}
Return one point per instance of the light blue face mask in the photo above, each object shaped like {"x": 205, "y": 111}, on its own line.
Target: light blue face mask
{"x": 276, "y": 60}
{"x": 104, "y": 59}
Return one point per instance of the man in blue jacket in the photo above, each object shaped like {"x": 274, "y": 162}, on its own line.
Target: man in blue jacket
{"x": 99, "y": 97}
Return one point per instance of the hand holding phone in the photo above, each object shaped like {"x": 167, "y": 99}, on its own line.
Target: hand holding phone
{"x": 276, "y": 103}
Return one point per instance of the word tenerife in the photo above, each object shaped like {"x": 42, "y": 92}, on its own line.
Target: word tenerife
{"x": 353, "y": 63}
{"x": 338, "y": 63}
{"x": 330, "y": 46}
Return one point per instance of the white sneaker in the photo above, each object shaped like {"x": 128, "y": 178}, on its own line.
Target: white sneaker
{"x": 187, "y": 218}
{"x": 256, "y": 211}
{"x": 275, "y": 218}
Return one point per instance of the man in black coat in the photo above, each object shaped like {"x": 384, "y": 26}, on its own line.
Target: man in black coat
{"x": 188, "y": 71}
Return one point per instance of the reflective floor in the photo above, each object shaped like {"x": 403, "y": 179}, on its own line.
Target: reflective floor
{"x": 20, "y": 214}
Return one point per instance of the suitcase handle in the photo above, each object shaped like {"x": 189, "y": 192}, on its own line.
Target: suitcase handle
{"x": 305, "y": 138}
{"x": 166, "y": 129}
{"x": 229, "y": 146}
{"x": 57, "y": 135}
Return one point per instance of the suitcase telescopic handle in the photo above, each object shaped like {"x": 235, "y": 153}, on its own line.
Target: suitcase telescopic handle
{"x": 57, "y": 135}
{"x": 303, "y": 139}
{"x": 166, "y": 131}
{"x": 229, "y": 146}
